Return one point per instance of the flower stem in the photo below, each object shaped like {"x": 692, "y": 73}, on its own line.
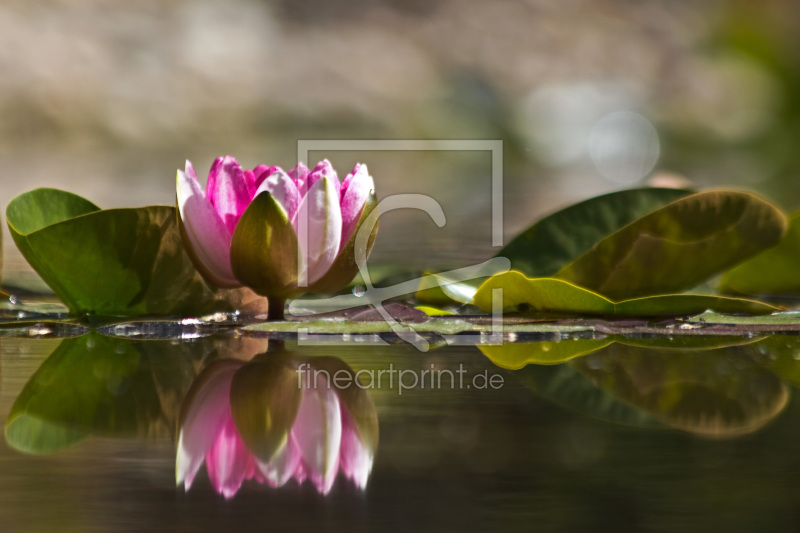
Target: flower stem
{"x": 275, "y": 311}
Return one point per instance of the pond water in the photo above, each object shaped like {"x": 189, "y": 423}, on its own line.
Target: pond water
{"x": 634, "y": 433}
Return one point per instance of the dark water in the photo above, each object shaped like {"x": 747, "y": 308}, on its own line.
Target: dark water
{"x": 639, "y": 435}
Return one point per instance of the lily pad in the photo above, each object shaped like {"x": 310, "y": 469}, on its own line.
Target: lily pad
{"x": 679, "y": 245}
{"x": 558, "y": 296}
{"x": 771, "y": 272}
{"x": 558, "y": 239}
{"x": 111, "y": 262}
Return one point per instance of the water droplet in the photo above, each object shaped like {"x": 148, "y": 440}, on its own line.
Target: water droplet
{"x": 359, "y": 291}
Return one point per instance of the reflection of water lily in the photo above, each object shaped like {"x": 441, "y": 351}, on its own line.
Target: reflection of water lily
{"x": 260, "y": 421}
{"x": 311, "y": 211}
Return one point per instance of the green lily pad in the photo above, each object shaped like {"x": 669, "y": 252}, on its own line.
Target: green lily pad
{"x": 679, "y": 245}
{"x": 559, "y": 296}
{"x": 560, "y": 238}
{"x": 111, "y": 262}
{"x": 771, "y": 272}
{"x": 100, "y": 385}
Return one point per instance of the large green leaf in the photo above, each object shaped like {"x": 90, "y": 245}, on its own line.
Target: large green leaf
{"x": 558, "y": 296}
{"x": 771, "y": 272}
{"x": 111, "y": 262}
{"x": 679, "y": 245}
{"x": 96, "y": 384}
{"x": 562, "y": 237}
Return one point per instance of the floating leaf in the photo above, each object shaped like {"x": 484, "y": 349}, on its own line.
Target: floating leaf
{"x": 559, "y": 296}
{"x": 774, "y": 271}
{"x": 678, "y": 246}
{"x": 111, "y": 262}
{"x": 560, "y": 238}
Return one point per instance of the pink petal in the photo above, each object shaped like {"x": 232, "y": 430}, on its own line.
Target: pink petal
{"x": 206, "y": 416}
{"x": 299, "y": 175}
{"x": 228, "y": 462}
{"x": 357, "y": 187}
{"x": 318, "y": 226}
{"x": 354, "y": 458}
{"x": 190, "y": 170}
{"x": 323, "y": 168}
{"x": 318, "y": 433}
{"x": 283, "y": 189}
{"x": 209, "y": 238}
{"x": 227, "y": 190}
{"x": 262, "y": 172}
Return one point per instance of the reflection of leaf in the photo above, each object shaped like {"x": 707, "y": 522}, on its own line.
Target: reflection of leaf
{"x": 565, "y": 386}
{"x": 111, "y": 262}
{"x": 98, "y": 384}
{"x": 562, "y": 237}
{"x": 265, "y": 398}
{"x": 779, "y": 353}
{"x": 516, "y": 355}
{"x": 679, "y": 245}
{"x": 771, "y": 272}
{"x": 554, "y": 295}
{"x": 714, "y": 393}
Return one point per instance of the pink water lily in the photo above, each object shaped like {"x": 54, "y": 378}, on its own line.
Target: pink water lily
{"x": 310, "y": 212}
{"x": 236, "y": 420}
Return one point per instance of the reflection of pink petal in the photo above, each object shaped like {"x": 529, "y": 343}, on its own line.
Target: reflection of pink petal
{"x": 318, "y": 433}
{"x": 282, "y": 466}
{"x": 207, "y": 415}
{"x": 359, "y": 185}
{"x": 208, "y": 236}
{"x": 355, "y": 459}
{"x": 318, "y": 225}
{"x": 227, "y": 190}
{"x": 228, "y": 462}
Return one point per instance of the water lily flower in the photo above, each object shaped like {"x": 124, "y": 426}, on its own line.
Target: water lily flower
{"x": 263, "y": 421}
{"x": 279, "y": 233}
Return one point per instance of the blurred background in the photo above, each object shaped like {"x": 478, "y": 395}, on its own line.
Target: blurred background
{"x": 107, "y": 99}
